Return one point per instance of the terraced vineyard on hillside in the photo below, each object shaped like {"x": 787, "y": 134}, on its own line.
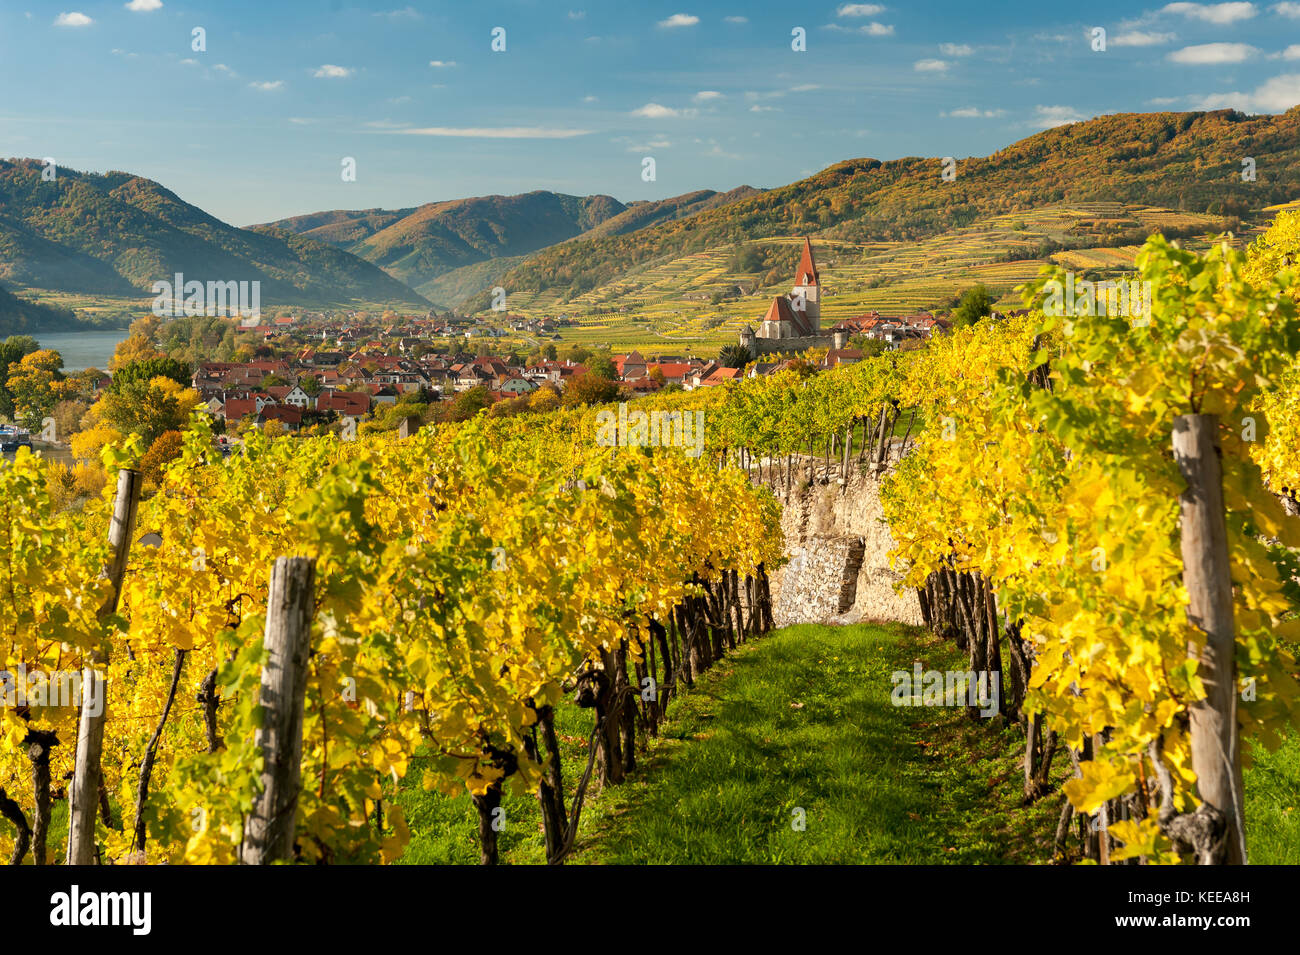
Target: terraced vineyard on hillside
{"x": 667, "y": 305}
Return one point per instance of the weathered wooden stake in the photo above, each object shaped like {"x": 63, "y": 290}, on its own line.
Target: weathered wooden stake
{"x": 1216, "y": 756}
{"x": 268, "y": 835}
{"x": 83, "y": 798}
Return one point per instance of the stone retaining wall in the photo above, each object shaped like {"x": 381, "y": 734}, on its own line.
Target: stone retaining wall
{"x": 838, "y": 542}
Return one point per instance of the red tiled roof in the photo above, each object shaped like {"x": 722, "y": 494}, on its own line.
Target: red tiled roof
{"x": 287, "y": 413}
{"x": 720, "y": 375}
{"x": 237, "y": 408}
{"x": 676, "y": 369}
{"x": 780, "y": 311}
{"x": 348, "y": 402}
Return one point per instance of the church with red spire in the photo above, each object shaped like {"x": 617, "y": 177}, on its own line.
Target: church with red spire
{"x": 793, "y": 322}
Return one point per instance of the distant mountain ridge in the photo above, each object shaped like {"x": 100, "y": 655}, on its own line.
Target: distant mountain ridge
{"x": 426, "y": 246}
{"x": 117, "y": 233}
{"x": 1190, "y": 161}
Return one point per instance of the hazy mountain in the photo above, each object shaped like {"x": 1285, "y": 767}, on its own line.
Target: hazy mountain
{"x": 640, "y": 215}
{"x": 446, "y": 250}
{"x": 118, "y": 233}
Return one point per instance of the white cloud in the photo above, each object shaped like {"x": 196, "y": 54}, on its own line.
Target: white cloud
{"x": 1209, "y": 54}
{"x": 870, "y": 29}
{"x": 1162, "y": 101}
{"x": 707, "y": 96}
{"x": 189, "y": 62}
{"x": 73, "y": 19}
{"x": 406, "y": 13}
{"x": 329, "y": 71}
{"x": 736, "y": 19}
{"x": 442, "y": 64}
{"x": 930, "y": 66}
{"x": 1287, "y": 9}
{"x": 955, "y": 49}
{"x": 645, "y": 147}
{"x": 144, "y": 6}
{"x": 656, "y": 111}
{"x": 859, "y": 10}
{"x": 1046, "y": 117}
{"x": 577, "y": 14}
{"x": 974, "y": 112}
{"x": 1292, "y": 52}
{"x": 805, "y": 88}
{"x": 502, "y": 132}
{"x": 301, "y": 121}
{"x": 1220, "y": 14}
{"x": 1276, "y": 96}
{"x": 222, "y": 68}
{"x": 267, "y": 85}
{"x": 764, "y": 109}
{"x": 680, "y": 20}
{"x": 1141, "y": 38}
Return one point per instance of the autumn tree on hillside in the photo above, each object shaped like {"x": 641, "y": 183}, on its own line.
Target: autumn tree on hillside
{"x": 545, "y": 398}
{"x": 589, "y": 388}
{"x": 12, "y": 351}
{"x": 36, "y": 384}
{"x": 150, "y": 408}
{"x": 977, "y": 303}
{"x": 132, "y": 349}
{"x": 150, "y": 368}
{"x": 466, "y": 404}
{"x": 602, "y": 366}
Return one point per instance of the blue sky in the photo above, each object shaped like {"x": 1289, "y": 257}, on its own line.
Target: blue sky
{"x": 256, "y": 126}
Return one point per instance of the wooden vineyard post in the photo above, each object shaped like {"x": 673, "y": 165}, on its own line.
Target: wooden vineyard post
{"x": 268, "y": 835}
{"x": 83, "y": 799}
{"x": 1216, "y": 756}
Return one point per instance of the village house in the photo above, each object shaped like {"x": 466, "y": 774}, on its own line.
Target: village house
{"x": 290, "y": 395}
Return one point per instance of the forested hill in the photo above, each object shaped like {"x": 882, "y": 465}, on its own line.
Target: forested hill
{"x": 19, "y": 316}
{"x": 1190, "y": 161}
{"x": 118, "y": 233}
{"x": 421, "y": 244}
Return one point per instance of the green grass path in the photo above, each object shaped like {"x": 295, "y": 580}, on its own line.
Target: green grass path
{"x": 802, "y": 719}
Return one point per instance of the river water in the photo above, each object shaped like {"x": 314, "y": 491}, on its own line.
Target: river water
{"x": 82, "y": 350}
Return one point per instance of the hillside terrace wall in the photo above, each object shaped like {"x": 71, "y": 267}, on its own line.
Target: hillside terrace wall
{"x": 839, "y": 543}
